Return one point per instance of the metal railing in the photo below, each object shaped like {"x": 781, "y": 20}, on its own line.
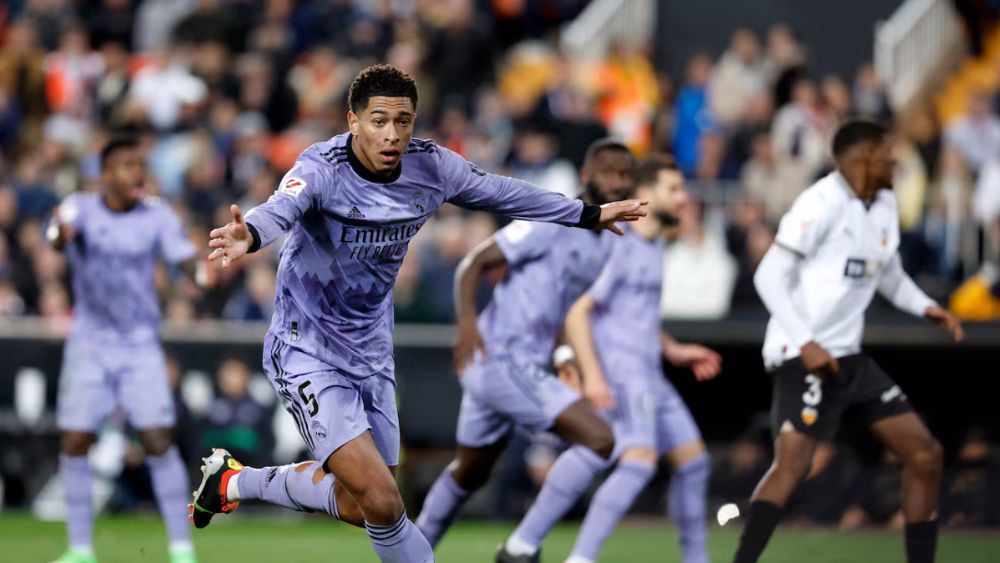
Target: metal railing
{"x": 604, "y": 22}
{"x": 919, "y": 40}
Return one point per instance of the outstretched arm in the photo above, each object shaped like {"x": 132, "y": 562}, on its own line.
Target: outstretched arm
{"x": 473, "y": 188}
{"x": 468, "y": 276}
{"x": 895, "y": 285}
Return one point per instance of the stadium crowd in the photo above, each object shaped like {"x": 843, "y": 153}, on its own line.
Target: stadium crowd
{"x": 225, "y": 93}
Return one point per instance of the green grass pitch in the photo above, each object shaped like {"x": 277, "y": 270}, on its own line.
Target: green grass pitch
{"x": 240, "y": 539}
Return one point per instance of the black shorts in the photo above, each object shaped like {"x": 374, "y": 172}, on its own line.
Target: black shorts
{"x": 814, "y": 405}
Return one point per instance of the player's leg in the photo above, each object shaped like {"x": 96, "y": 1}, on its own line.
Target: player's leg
{"x": 481, "y": 433}
{"x": 679, "y": 437}
{"x": 687, "y": 499}
{"x": 144, "y": 394}
{"x": 360, "y": 467}
{"x": 894, "y": 423}
{"x": 921, "y": 457}
{"x": 636, "y": 466}
{"x": 84, "y": 401}
{"x": 468, "y": 472}
{"x": 803, "y": 411}
{"x": 593, "y": 443}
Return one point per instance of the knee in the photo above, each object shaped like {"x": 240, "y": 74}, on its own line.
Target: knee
{"x": 792, "y": 468}
{"x": 926, "y": 460}
{"x": 381, "y": 503}
{"x": 601, "y": 441}
{"x": 76, "y": 444}
{"x": 470, "y": 477}
{"x": 156, "y": 442}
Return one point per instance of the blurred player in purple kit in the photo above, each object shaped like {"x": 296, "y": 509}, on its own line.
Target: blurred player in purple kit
{"x": 113, "y": 240}
{"x": 503, "y": 354}
{"x": 349, "y": 208}
{"x": 614, "y": 330}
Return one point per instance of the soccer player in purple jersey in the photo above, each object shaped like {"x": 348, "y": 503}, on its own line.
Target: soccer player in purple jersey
{"x": 349, "y": 208}
{"x": 614, "y": 329}
{"x": 502, "y": 356}
{"x": 113, "y": 240}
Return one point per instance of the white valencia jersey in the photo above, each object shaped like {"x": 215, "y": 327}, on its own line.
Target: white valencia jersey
{"x": 843, "y": 245}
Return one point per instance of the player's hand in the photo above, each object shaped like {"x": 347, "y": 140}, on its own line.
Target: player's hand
{"x": 705, "y": 363}
{"x": 467, "y": 341}
{"x": 569, "y": 374}
{"x": 945, "y": 320}
{"x": 59, "y": 233}
{"x": 627, "y": 210}
{"x": 596, "y": 391}
{"x": 818, "y": 361}
{"x": 230, "y": 243}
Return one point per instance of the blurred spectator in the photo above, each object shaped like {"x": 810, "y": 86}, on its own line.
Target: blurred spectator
{"x": 698, "y": 275}
{"x": 774, "y": 186}
{"x": 236, "y": 421}
{"x": 459, "y": 57}
{"x": 628, "y": 96}
{"x": 836, "y": 99}
{"x": 255, "y": 300}
{"x": 976, "y": 135}
{"x": 783, "y": 54}
{"x": 748, "y": 237}
{"x": 736, "y": 78}
{"x": 972, "y": 488}
{"x": 869, "y": 94}
{"x": 535, "y": 160}
{"x": 22, "y": 80}
{"x": 692, "y": 117}
{"x": 801, "y": 133}
{"x": 111, "y": 21}
{"x": 320, "y": 82}
{"x": 155, "y": 21}
{"x": 161, "y": 90}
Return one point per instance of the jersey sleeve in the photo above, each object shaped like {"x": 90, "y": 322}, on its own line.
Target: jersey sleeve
{"x": 804, "y": 227}
{"x": 174, "y": 244}
{"x": 295, "y": 195}
{"x": 471, "y": 187}
{"x": 522, "y": 241}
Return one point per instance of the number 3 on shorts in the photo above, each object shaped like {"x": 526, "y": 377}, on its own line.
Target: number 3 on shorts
{"x": 309, "y": 399}
{"x": 811, "y": 397}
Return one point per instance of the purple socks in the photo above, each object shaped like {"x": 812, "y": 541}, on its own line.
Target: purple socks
{"x": 77, "y": 484}
{"x": 609, "y": 505}
{"x": 305, "y": 487}
{"x": 440, "y": 507}
{"x": 568, "y": 479}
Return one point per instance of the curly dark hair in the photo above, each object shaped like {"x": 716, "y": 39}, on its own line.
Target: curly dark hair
{"x": 380, "y": 80}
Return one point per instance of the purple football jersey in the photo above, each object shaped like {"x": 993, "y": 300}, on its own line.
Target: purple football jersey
{"x": 113, "y": 258}
{"x": 626, "y": 321}
{"x": 549, "y": 267}
{"x": 348, "y": 231}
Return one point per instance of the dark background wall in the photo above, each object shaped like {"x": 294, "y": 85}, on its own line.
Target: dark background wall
{"x": 842, "y": 30}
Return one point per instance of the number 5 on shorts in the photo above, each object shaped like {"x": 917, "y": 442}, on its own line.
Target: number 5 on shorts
{"x": 309, "y": 399}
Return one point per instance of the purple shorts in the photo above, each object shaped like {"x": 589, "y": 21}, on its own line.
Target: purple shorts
{"x": 96, "y": 377}
{"x": 502, "y": 394}
{"x": 650, "y": 414}
{"x": 330, "y": 407}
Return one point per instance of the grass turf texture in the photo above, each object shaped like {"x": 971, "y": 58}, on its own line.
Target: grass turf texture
{"x": 229, "y": 540}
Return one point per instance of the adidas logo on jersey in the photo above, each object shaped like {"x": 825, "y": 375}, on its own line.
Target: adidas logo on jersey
{"x": 355, "y": 213}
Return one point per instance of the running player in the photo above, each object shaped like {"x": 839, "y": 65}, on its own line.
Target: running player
{"x": 834, "y": 249}
{"x": 349, "y": 207}
{"x": 614, "y": 330}
{"x": 503, "y": 375}
{"x": 113, "y": 357}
